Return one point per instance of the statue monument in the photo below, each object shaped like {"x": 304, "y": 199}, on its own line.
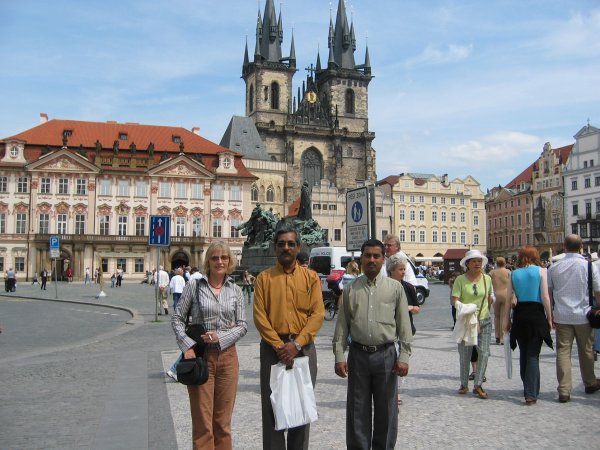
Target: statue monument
{"x": 258, "y": 252}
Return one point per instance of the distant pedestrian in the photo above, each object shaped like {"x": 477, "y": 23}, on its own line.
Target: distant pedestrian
{"x": 44, "y": 276}
{"x": 532, "y": 318}
{"x": 176, "y": 286}
{"x": 502, "y": 303}
{"x": 97, "y": 276}
{"x": 374, "y": 360}
{"x": 113, "y": 280}
{"x": 35, "y": 279}
{"x": 474, "y": 289}
{"x": 195, "y": 274}
{"x": 163, "y": 289}
{"x": 11, "y": 276}
{"x": 87, "y": 276}
{"x": 568, "y": 286}
{"x": 119, "y": 276}
{"x": 248, "y": 285}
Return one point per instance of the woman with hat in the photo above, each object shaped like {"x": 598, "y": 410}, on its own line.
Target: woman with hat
{"x": 532, "y": 318}
{"x": 474, "y": 287}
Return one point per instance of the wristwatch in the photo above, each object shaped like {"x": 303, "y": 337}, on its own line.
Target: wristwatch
{"x": 298, "y": 346}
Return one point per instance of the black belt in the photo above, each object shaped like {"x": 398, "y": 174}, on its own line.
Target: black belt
{"x": 370, "y": 348}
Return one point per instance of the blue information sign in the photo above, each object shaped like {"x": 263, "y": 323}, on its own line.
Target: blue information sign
{"x": 160, "y": 231}
{"x": 54, "y": 243}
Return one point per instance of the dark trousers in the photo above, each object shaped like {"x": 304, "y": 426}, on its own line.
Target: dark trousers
{"x": 529, "y": 360}
{"x": 297, "y": 438}
{"x": 44, "y": 280}
{"x": 371, "y": 404}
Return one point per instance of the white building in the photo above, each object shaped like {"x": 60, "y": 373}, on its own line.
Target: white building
{"x": 582, "y": 187}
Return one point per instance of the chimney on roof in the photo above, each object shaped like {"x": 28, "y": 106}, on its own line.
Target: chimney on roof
{"x": 196, "y": 130}
{"x": 43, "y": 118}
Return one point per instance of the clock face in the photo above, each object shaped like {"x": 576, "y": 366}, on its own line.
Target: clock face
{"x": 227, "y": 163}
{"x": 14, "y": 151}
{"x": 311, "y": 96}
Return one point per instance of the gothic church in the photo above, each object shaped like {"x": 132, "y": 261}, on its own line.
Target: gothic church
{"x": 322, "y": 132}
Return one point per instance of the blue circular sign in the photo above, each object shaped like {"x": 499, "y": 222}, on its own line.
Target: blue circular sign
{"x": 357, "y": 211}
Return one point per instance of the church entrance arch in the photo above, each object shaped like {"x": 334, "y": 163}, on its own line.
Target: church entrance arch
{"x": 312, "y": 167}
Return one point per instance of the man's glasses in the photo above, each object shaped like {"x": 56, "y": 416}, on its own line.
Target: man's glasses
{"x": 290, "y": 244}
{"x": 474, "y": 289}
{"x": 216, "y": 258}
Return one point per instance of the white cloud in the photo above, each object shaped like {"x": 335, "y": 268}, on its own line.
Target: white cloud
{"x": 432, "y": 56}
{"x": 496, "y": 148}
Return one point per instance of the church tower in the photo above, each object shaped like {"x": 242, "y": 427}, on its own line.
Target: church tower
{"x": 323, "y": 131}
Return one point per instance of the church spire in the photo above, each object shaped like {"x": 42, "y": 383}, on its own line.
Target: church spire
{"x": 344, "y": 42}
{"x": 246, "y": 59}
{"x": 271, "y": 35}
{"x": 292, "y": 58}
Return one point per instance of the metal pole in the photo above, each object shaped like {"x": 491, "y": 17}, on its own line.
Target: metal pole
{"x": 156, "y": 284}
{"x": 55, "y": 279}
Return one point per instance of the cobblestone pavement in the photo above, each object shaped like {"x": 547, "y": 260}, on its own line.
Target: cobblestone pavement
{"x": 103, "y": 387}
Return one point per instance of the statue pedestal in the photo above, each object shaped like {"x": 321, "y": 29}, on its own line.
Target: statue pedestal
{"x": 257, "y": 259}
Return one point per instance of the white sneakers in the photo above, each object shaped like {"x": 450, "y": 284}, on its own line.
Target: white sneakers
{"x": 172, "y": 374}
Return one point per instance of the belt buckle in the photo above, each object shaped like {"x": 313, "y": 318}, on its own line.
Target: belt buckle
{"x": 370, "y": 348}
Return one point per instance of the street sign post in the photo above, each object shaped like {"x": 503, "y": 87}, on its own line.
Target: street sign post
{"x": 55, "y": 253}
{"x": 358, "y": 218}
{"x": 160, "y": 236}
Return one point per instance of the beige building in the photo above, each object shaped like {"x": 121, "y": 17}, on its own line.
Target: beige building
{"x": 433, "y": 214}
{"x": 95, "y": 186}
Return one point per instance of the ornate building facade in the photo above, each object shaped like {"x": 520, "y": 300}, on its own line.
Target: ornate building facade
{"x": 323, "y": 131}
{"x": 433, "y": 214}
{"x": 95, "y": 186}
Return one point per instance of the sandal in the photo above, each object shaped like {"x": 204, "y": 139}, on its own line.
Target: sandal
{"x": 463, "y": 390}
{"x": 479, "y": 392}
{"x": 472, "y": 376}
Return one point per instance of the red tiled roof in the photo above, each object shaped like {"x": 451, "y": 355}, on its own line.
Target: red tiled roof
{"x": 523, "y": 176}
{"x": 86, "y": 133}
{"x": 563, "y": 153}
{"x": 391, "y": 180}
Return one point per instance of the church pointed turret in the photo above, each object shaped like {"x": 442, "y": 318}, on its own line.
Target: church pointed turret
{"x": 318, "y": 66}
{"x": 246, "y": 59}
{"x": 367, "y": 66}
{"x": 292, "y": 58}
{"x": 343, "y": 39}
{"x": 272, "y": 34}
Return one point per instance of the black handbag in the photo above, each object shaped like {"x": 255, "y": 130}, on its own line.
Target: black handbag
{"x": 194, "y": 371}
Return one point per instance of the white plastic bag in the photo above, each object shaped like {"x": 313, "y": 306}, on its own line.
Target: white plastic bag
{"x": 292, "y": 395}
{"x": 508, "y": 355}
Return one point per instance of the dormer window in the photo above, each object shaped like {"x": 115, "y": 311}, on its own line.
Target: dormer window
{"x": 176, "y": 139}
{"x": 226, "y": 162}
{"x": 122, "y": 136}
{"x": 67, "y": 133}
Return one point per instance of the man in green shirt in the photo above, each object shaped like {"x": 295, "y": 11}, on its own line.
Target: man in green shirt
{"x": 374, "y": 312}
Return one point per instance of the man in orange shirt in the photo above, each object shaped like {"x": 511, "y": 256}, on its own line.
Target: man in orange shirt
{"x": 288, "y": 313}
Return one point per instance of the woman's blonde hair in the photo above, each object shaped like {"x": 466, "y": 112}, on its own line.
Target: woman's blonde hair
{"x": 212, "y": 249}
{"x": 352, "y": 268}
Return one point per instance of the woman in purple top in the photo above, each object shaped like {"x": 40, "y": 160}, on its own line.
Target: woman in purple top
{"x": 532, "y": 319}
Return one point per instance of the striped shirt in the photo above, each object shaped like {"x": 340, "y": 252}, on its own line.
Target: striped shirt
{"x": 225, "y": 314}
{"x": 568, "y": 285}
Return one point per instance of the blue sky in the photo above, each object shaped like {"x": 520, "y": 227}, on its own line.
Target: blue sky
{"x": 461, "y": 87}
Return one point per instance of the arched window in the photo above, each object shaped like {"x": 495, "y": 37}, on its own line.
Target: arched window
{"x": 270, "y": 194}
{"x": 349, "y": 100}
{"x": 251, "y": 98}
{"x": 274, "y": 95}
{"x": 312, "y": 167}
{"x": 254, "y": 193}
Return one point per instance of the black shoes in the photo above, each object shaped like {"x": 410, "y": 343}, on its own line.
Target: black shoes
{"x": 594, "y": 388}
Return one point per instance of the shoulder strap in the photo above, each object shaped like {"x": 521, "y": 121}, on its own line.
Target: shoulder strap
{"x": 590, "y": 290}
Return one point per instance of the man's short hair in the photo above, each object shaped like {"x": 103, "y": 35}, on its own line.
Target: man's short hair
{"x": 302, "y": 257}
{"x": 285, "y": 226}
{"x": 392, "y": 237}
{"x": 500, "y": 261}
{"x": 372, "y": 243}
{"x": 573, "y": 243}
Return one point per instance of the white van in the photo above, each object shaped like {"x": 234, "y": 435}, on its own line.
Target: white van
{"x": 325, "y": 259}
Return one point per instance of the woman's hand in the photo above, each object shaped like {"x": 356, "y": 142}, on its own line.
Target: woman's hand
{"x": 189, "y": 354}
{"x": 211, "y": 337}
